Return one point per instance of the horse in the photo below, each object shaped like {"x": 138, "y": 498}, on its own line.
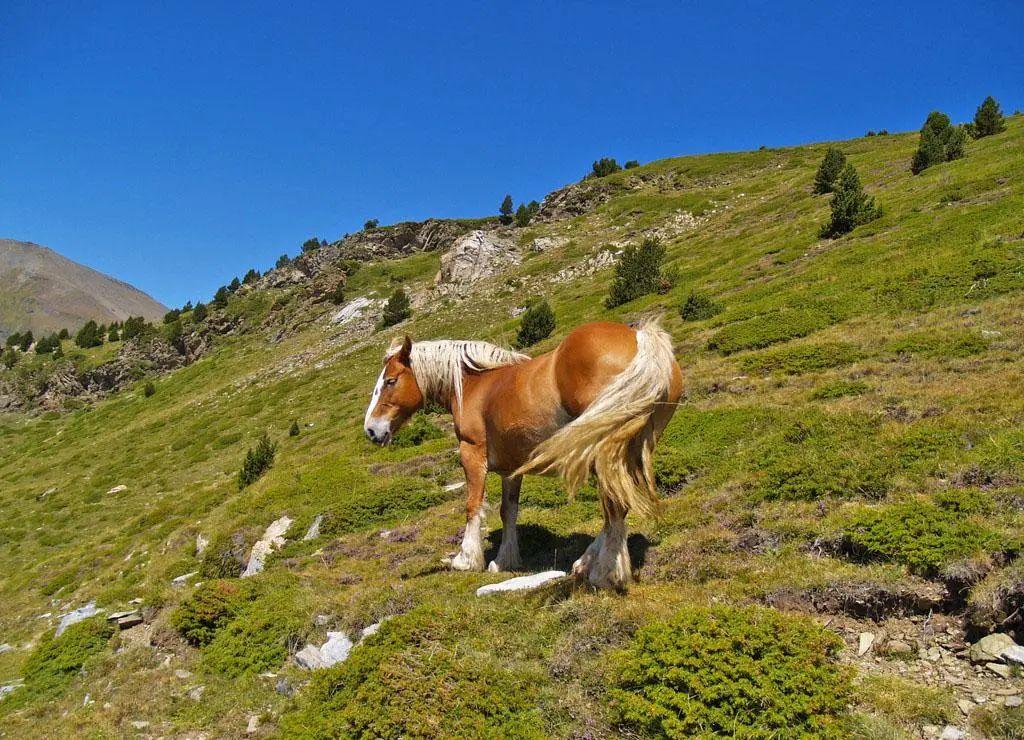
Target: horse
{"x": 596, "y": 404}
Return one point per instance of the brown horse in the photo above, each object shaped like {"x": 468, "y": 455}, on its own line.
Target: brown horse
{"x": 596, "y": 404}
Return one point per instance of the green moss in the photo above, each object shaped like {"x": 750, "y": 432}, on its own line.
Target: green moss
{"x": 839, "y": 389}
{"x": 921, "y": 534}
{"x": 771, "y": 328}
{"x": 740, "y": 672}
{"x": 802, "y": 359}
{"x": 407, "y": 681}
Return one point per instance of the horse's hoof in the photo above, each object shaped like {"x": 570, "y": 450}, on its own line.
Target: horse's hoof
{"x": 461, "y": 562}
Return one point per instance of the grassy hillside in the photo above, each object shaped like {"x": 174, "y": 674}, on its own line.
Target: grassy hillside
{"x": 851, "y": 444}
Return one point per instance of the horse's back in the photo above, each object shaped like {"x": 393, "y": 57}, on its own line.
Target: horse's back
{"x": 587, "y": 360}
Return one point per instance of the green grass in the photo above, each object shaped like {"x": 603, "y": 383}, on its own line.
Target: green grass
{"x": 866, "y": 387}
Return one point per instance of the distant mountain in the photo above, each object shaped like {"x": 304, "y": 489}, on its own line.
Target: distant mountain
{"x": 43, "y": 291}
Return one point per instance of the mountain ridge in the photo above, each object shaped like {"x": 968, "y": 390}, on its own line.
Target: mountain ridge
{"x": 45, "y": 291}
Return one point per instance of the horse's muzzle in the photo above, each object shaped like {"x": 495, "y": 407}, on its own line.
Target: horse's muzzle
{"x": 380, "y": 437}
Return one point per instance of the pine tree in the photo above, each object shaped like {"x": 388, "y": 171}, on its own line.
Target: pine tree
{"x": 828, "y": 172}
{"x": 311, "y": 244}
{"x": 637, "y": 273}
{"x": 988, "y": 119}
{"x": 604, "y": 167}
{"x": 396, "y": 310}
{"x": 220, "y": 298}
{"x": 371, "y": 224}
{"x": 537, "y": 323}
{"x": 522, "y": 216}
{"x": 283, "y": 261}
{"x": 293, "y": 431}
{"x": 133, "y": 327}
{"x": 851, "y": 206}
{"x": 10, "y": 358}
{"x": 88, "y": 336}
{"x": 631, "y": 164}
{"x": 940, "y": 142}
{"x": 234, "y": 285}
{"x": 112, "y": 334}
{"x": 534, "y": 208}
{"x": 251, "y": 277}
{"x": 26, "y": 341}
{"x": 506, "y": 210}
{"x": 337, "y": 294}
{"x": 64, "y": 334}
{"x": 13, "y": 340}
{"x": 199, "y": 312}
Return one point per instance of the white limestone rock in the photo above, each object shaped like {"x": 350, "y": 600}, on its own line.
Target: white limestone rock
{"x": 77, "y": 615}
{"x": 521, "y": 583}
{"x": 272, "y": 539}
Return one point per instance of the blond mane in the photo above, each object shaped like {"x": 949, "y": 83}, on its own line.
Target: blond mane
{"x": 439, "y": 364}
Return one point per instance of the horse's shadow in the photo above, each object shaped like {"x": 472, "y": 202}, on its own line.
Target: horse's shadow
{"x": 542, "y": 549}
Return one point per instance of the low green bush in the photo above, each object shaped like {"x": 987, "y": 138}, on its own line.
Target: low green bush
{"x": 923, "y": 535}
{"x": 407, "y": 681}
{"x": 416, "y": 431}
{"x": 771, "y": 328}
{"x": 208, "y": 609}
{"x": 802, "y": 359}
{"x": 55, "y": 661}
{"x": 938, "y": 345}
{"x": 537, "y": 323}
{"x": 368, "y": 507}
{"x": 732, "y": 671}
{"x": 839, "y": 389}
{"x": 699, "y": 306}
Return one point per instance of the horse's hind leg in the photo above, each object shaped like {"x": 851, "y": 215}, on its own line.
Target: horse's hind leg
{"x": 610, "y": 567}
{"x": 508, "y": 554}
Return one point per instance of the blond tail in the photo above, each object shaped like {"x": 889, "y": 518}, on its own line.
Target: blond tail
{"x": 614, "y": 437}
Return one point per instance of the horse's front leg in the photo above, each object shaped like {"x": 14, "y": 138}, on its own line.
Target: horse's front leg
{"x": 508, "y": 554}
{"x": 474, "y": 463}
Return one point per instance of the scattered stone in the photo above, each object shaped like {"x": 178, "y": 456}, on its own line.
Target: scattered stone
{"x": 371, "y": 630}
{"x": 139, "y": 724}
{"x": 117, "y": 489}
{"x": 314, "y": 529}
{"x": 335, "y": 650}
{"x": 1000, "y": 669}
{"x": 182, "y": 673}
{"x": 136, "y": 600}
{"x": 521, "y": 583}
{"x": 455, "y": 486}
{"x": 284, "y": 687}
{"x": 589, "y": 266}
{"x": 114, "y": 616}
{"x": 949, "y": 732}
{"x": 864, "y": 642}
{"x": 990, "y": 647}
{"x": 7, "y": 688}
{"x": 898, "y": 647}
{"x": 202, "y": 542}
{"x": 1013, "y": 654}
{"x": 930, "y": 730}
{"x": 196, "y": 693}
{"x": 322, "y": 620}
{"x": 1013, "y": 701}
{"x": 544, "y": 243}
{"x": 271, "y": 540}
{"x": 254, "y": 725}
{"x": 73, "y": 617}
{"x": 131, "y": 620}
{"x": 184, "y": 578}
{"x": 965, "y": 705}
{"x": 5, "y": 648}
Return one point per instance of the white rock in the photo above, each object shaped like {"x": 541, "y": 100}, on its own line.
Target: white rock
{"x": 521, "y": 583}
{"x": 254, "y": 725}
{"x": 335, "y": 650}
{"x": 73, "y": 617}
{"x": 990, "y": 647}
{"x": 475, "y": 256}
{"x": 1000, "y": 669}
{"x": 314, "y": 529}
{"x": 354, "y": 309}
{"x": 864, "y": 642}
{"x": 272, "y": 540}
{"x": 184, "y": 578}
{"x": 182, "y": 673}
{"x": 1013, "y": 654}
{"x": 372, "y": 629}
{"x": 455, "y": 486}
{"x": 965, "y": 705}
{"x": 202, "y": 542}
{"x": 951, "y": 733}
{"x": 117, "y": 489}
{"x": 196, "y": 693}
{"x": 139, "y": 724}
{"x": 544, "y": 243}
{"x": 5, "y": 648}
{"x": 1013, "y": 701}
{"x": 7, "y": 688}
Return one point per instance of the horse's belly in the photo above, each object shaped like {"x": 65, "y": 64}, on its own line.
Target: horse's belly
{"x": 509, "y": 445}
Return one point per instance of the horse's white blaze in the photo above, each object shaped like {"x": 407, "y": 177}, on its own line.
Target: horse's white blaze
{"x": 368, "y": 421}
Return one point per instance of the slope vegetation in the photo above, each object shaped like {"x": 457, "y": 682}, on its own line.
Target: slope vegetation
{"x": 848, "y": 461}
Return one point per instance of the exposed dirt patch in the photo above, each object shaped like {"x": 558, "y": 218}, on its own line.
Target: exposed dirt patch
{"x": 865, "y": 600}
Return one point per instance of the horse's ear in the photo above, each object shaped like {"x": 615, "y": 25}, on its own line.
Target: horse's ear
{"x": 405, "y": 351}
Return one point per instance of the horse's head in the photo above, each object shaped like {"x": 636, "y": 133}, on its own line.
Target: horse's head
{"x": 396, "y": 396}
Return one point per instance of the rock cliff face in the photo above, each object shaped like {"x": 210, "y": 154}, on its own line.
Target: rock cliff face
{"x": 475, "y": 256}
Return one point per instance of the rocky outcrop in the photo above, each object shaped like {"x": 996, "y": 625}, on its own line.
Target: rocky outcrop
{"x": 272, "y": 539}
{"x": 475, "y": 256}
{"x": 577, "y": 199}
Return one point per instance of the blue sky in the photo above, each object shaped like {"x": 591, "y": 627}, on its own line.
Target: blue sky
{"x": 175, "y": 145}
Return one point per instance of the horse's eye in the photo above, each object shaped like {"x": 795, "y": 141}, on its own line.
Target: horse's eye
{"x": 390, "y": 381}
